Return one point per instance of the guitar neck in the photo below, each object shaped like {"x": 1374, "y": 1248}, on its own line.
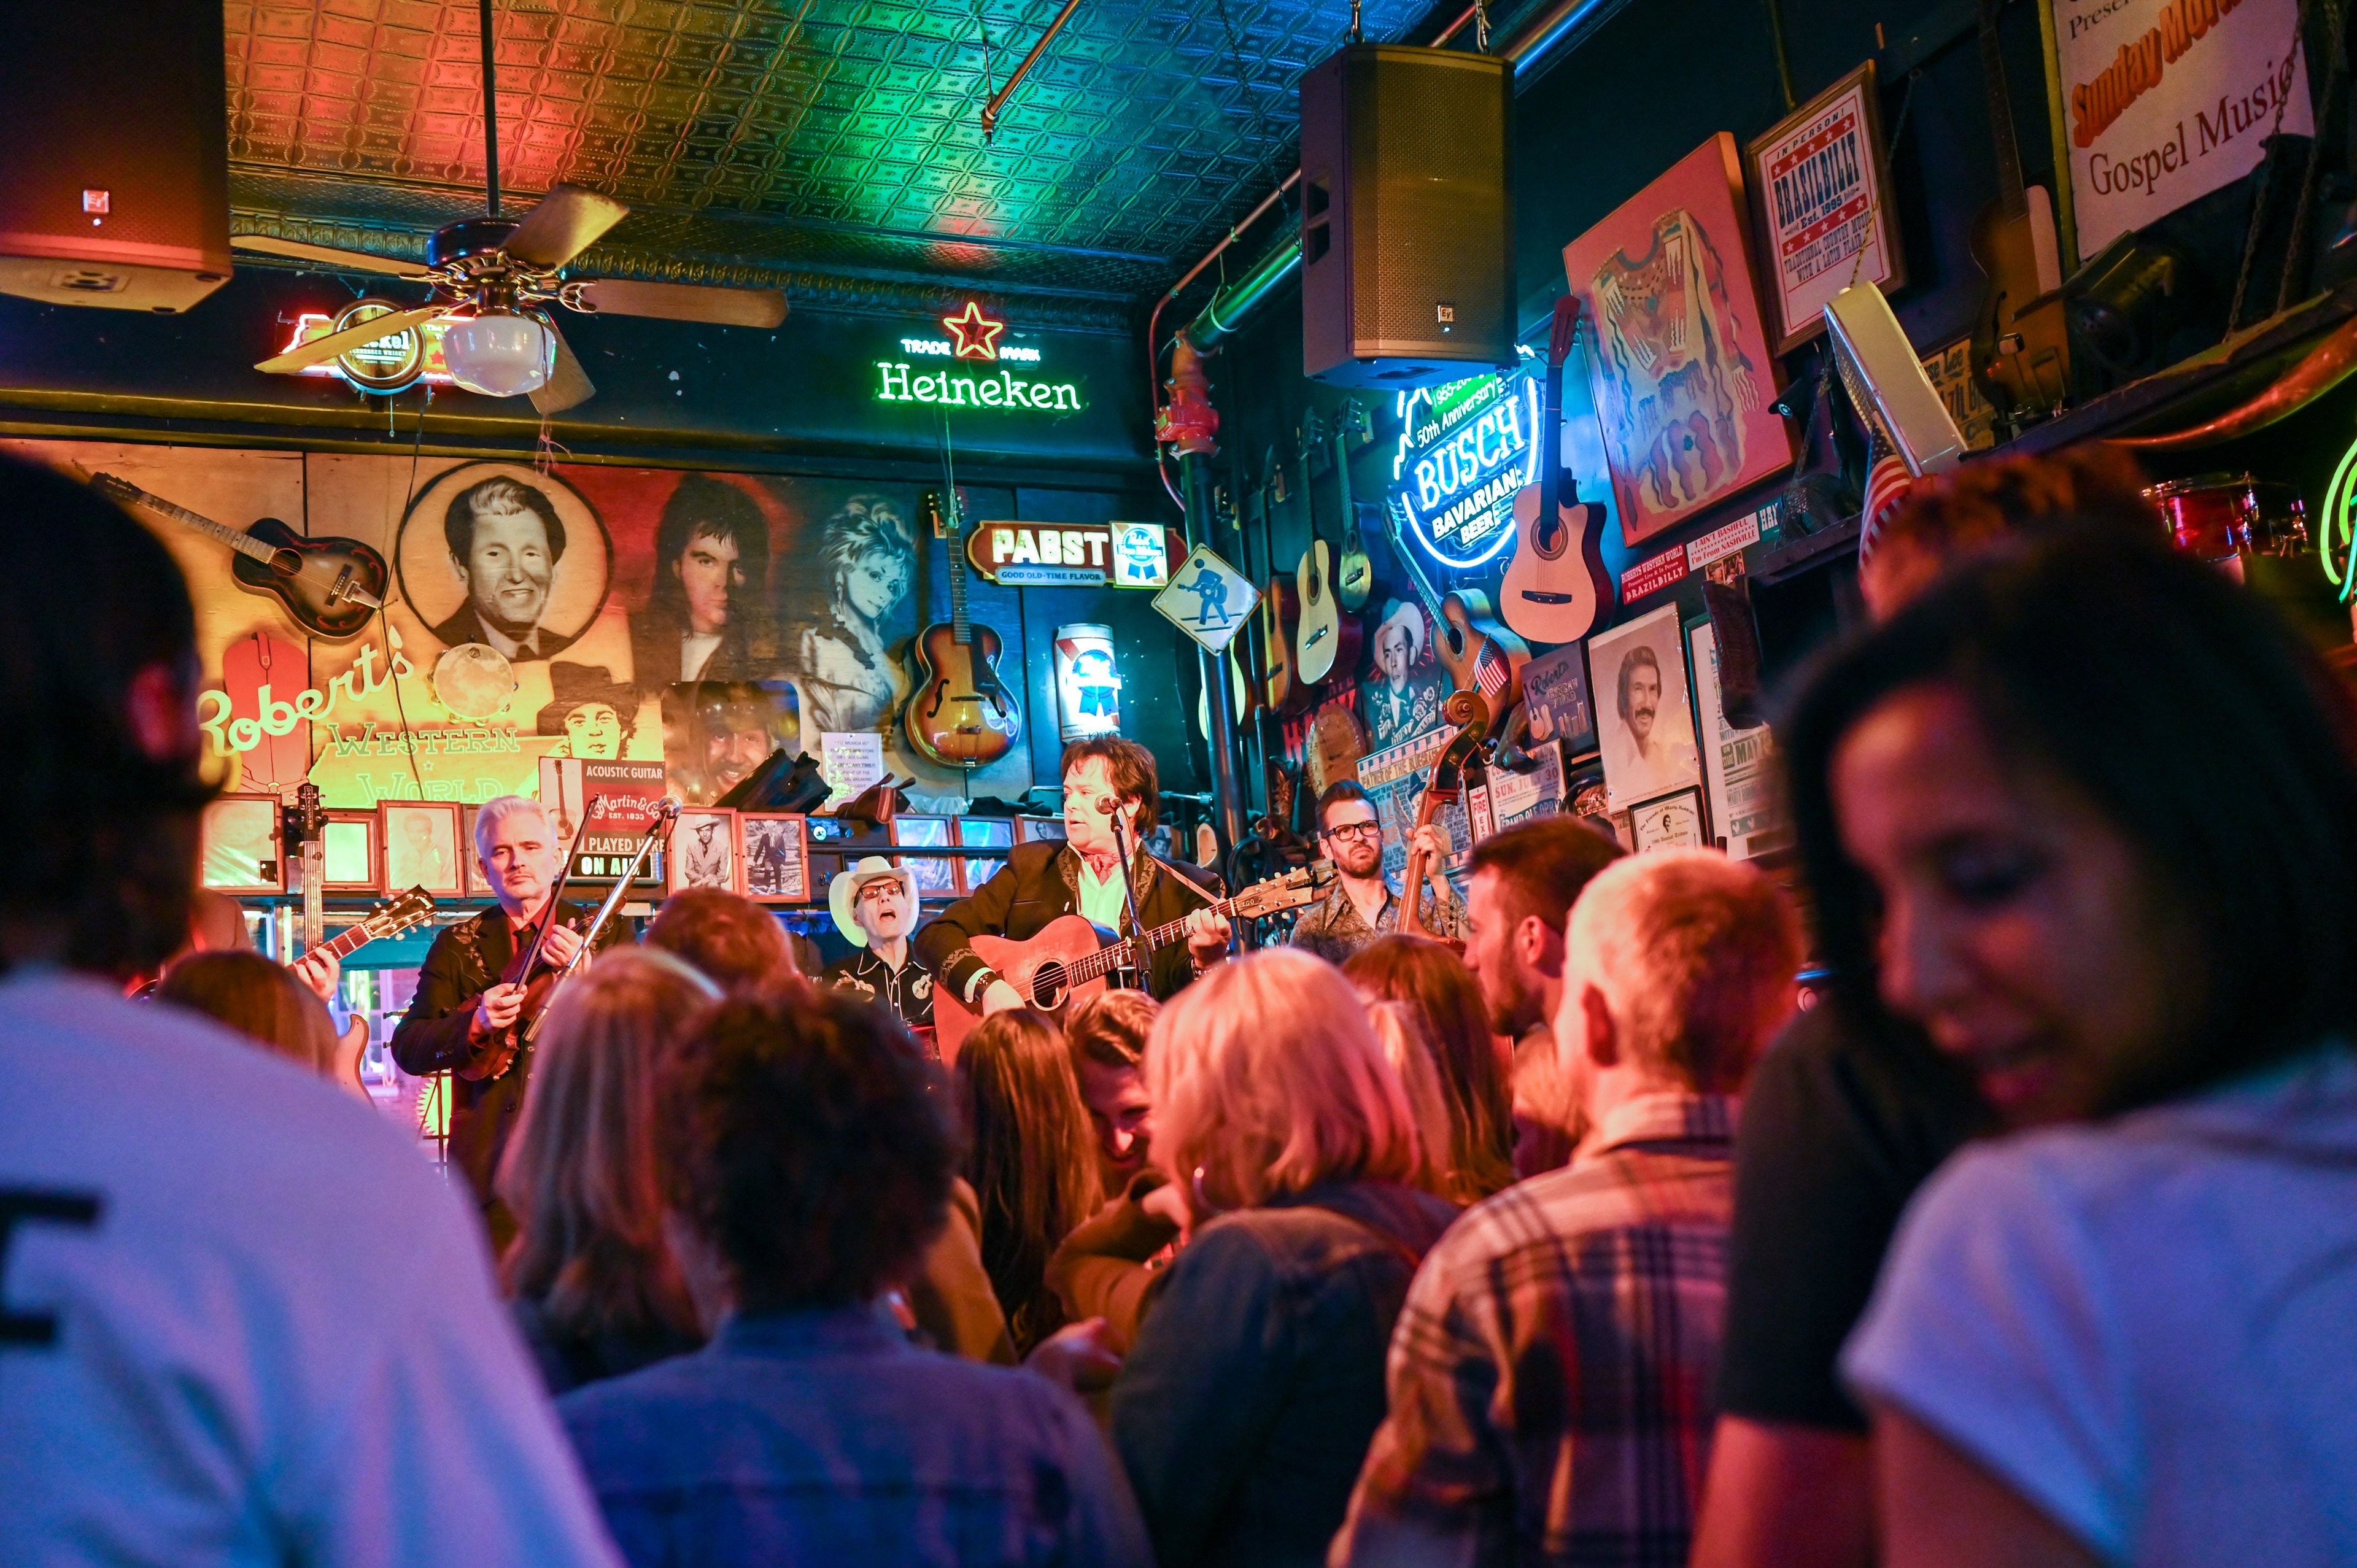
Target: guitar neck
{"x": 124, "y": 491}
{"x": 959, "y": 630}
{"x": 2000, "y": 106}
{"x": 1104, "y": 961}
{"x": 349, "y": 940}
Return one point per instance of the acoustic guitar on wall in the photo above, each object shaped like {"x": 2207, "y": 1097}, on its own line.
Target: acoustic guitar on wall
{"x": 1330, "y": 634}
{"x": 329, "y": 585}
{"x": 2020, "y": 343}
{"x": 1478, "y": 653}
{"x": 961, "y": 715}
{"x": 1556, "y": 585}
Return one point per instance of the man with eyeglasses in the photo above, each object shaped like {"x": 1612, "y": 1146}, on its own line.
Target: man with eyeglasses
{"x": 1363, "y": 906}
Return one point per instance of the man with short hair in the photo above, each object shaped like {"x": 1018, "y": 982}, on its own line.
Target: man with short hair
{"x": 1553, "y": 1377}
{"x": 505, "y": 542}
{"x": 808, "y": 1153}
{"x": 730, "y": 940}
{"x": 1106, "y": 1035}
{"x": 1362, "y": 905}
{"x": 1521, "y": 884}
{"x": 242, "y": 1322}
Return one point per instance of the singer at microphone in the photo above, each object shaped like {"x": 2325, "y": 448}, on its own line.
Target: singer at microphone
{"x": 1107, "y": 780}
{"x": 461, "y": 1006}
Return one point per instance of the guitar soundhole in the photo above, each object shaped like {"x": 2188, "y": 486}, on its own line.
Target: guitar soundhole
{"x": 287, "y": 563}
{"x": 1049, "y": 986}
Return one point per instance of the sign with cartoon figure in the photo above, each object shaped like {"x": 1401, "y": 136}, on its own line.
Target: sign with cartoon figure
{"x": 1208, "y": 599}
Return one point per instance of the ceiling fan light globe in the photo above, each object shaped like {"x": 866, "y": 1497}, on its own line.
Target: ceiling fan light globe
{"x": 499, "y": 354}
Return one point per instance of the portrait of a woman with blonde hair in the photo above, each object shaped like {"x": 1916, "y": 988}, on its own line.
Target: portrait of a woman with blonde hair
{"x": 866, "y": 563}
{"x": 1257, "y": 1379}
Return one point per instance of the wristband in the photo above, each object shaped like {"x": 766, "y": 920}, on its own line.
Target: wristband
{"x": 979, "y": 982}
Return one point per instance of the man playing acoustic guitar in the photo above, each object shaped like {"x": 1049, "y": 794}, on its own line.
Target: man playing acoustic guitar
{"x": 1102, "y": 776}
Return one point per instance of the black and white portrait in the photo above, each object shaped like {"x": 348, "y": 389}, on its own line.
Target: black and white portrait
{"x": 1644, "y": 716}
{"x": 868, "y": 560}
{"x": 776, "y": 857}
{"x": 703, "y": 852}
{"x": 712, "y": 575}
{"x": 496, "y": 554}
{"x": 1403, "y": 701}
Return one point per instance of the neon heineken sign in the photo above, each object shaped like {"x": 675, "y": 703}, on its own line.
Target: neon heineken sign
{"x": 973, "y": 336}
{"x": 1465, "y": 450}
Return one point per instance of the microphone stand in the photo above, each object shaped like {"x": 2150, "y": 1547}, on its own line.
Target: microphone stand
{"x": 666, "y": 814}
{"x": 1128, "y": 847}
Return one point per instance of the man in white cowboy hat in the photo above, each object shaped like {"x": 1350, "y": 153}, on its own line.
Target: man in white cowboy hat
{"x": 875, "y": 906}
{"x": 1401, "y": 704}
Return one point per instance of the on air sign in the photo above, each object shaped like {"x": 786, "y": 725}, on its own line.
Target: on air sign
{"x": 1075, "y": 555}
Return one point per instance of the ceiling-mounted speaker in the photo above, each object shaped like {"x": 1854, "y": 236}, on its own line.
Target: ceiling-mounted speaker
{"x": 1407, "y": 234}
{"x": 115, "y": 167}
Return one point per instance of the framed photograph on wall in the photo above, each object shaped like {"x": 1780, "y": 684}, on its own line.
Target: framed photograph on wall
{"x": 1032, "y": 830}
{"x": 479, "y": 881}
{"x": 1674, "y": 821}
{"x": 935, "y": 878}
{"x": 1645, "y": 714}
{"x": 1820, "y": 183}
{"x": 241, "y": 851}
{"x": 421, "y": 846}
{"x": 1556, "y": 686}
{"x": 1680, "y": 362}
{"x": 773, "y": 856}
{"x": 984, "y": 833}
{"x": 348, "y": 846}
{"x": 702, "y": 850}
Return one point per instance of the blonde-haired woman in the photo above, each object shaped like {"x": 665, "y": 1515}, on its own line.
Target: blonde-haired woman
{"x": 595, "y": 1288}
{"x": 1256, "y": 1381}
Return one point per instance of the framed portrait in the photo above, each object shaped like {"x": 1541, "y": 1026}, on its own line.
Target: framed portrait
{"x": 1644, "y": 712}
{"x": 1820, "y": 181}
{"x": 479, "y": 881}
{"x": 348, "y": 846}
{"x": 1031, "y": 829}
{"x": 1680, "y": 362}
{"x": 935, "y": 878}
{"x": 1672, "y": 822}
{"x": 773, "y": 856}
{"x": 984, "y": 833}
{"x": 421, "y": 846}
{"x": 702, "y": 851}
{"x": 1556, "y": 686}
{"x": 240, "y": 852}
{"x": 505, "y": 512}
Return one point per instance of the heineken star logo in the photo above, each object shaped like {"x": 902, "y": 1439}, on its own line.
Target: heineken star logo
{"x": 976, "y": 334}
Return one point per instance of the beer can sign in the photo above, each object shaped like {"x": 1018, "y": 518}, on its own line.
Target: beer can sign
{"x": 1088, "y": 681}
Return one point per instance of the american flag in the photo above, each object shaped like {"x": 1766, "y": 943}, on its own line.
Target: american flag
{"x": 1888, "y": 484}
{"x": 1491, "y": 673}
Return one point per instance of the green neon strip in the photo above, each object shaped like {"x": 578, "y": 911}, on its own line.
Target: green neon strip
{"x": 2336, "y": 514}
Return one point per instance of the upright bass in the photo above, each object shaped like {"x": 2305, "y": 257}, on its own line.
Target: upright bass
{"x": 1444, "y": 786}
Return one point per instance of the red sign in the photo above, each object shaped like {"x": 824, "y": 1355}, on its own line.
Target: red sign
{"x": 1653, "y": 575}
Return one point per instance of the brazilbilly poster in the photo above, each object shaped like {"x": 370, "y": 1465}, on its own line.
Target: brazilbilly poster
{"x": 2165, "y": 101}
{"x": 695, "y": 620}
{"x": 1819, "y": 184}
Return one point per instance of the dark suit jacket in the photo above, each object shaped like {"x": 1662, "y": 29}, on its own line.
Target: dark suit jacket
{"x": 464, "y": 962}
{"x": 467, "y": 626}
{"x": 1040, "y": 882}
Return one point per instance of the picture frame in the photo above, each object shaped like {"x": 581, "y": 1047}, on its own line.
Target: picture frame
{"x": 1562, "y": 709}
{"x": 1679, "y": 345}
{"x": 420, "y": 843}
{"x": 934, "y": 879}
{"x": 479, "y": 881}
{"x": 773, "y": 856}
{"x": 1647, "y": 752}
{"x": 1674, "y": 821}
{"x": 1819, "y": 185}
{"x": 350, "y": 854}
{"x": 241, "y": 854}
{"x": 1034, "y": 830}
{"x": 698, "y": 858}
{"x": 984, "y": 833}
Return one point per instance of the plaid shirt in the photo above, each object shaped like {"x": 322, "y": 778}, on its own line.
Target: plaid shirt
{"x": 1554, "y": 1374}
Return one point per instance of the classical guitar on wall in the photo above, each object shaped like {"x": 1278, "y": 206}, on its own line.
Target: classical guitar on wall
{"x": 1556, "y": 585}
{"x": 961, "y": 715}
{"x": 329, "y": 585}
{"x": 2020, "y": 343}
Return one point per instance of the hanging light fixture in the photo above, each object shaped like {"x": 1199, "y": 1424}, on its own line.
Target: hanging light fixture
{"x": 499, "y": 353}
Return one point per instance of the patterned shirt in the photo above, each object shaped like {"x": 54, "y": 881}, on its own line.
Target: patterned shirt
{"x": 1334, "y": 929}
{"x": 908, "y": 990}
{"x": 1554, "y": 1376}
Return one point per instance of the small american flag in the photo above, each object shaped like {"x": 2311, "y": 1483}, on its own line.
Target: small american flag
{"x": 1888, "y": 484}
{"x": 1491, "y": 673}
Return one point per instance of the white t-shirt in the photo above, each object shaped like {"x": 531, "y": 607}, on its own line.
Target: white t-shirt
{"x": 2147, "y": 1328}
{"x": 276, "y": 1343}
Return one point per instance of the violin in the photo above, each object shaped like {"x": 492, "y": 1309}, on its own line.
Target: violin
{"x": 1443, "y": 786}
{"x": 531, "y": 968}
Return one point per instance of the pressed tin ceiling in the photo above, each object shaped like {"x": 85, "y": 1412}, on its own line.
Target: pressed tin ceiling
{"x": 835, "y": 146}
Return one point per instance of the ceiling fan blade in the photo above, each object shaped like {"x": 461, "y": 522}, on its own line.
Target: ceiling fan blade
{"x": 685, "y": 302}
{"x": 568, "y": 383}
{"x": 319, "y": 350}
{"x": 342, "y": 261}
{"x": 567, "y": 222}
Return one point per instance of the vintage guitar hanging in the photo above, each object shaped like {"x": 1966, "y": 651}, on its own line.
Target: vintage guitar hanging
{"x": 1556, "y": 585}
{"x": 329, "y": 585}
{"x": 1479, "y": 654}
{"x": 961, "y": 715}
{"x": 1067, "y": 960}
{"x": 2020, "y": 343}
{"x": 1354, "y": 572}
{"x": 1329, "y": 636}
{"x": 405, "y": 913}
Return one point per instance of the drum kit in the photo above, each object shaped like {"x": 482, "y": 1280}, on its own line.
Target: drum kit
{"x": 2223, "y": 517}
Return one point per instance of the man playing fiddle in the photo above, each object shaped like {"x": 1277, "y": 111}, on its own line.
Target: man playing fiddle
{"x": 462, "y": 1012}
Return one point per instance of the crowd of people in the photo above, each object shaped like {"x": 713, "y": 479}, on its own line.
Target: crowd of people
{"x": 2033, "y": 1242}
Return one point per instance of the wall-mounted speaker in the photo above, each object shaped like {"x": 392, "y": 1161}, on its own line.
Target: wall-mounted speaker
{"x": 114, "y": 168}
{"x": 1407, "y": 237}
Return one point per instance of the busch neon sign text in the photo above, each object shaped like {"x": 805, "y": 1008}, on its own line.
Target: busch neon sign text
{"x": 1466, "y": 454}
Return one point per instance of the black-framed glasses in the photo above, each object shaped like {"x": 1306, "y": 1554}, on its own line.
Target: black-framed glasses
{"x": 1356, "y": 831}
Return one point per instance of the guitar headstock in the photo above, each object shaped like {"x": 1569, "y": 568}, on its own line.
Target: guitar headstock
{"x": 1353, "y": 425}
{"x": 402, "y": 912}
{"x": 1566, "y": 330}
{"x": 1304, "y": 884}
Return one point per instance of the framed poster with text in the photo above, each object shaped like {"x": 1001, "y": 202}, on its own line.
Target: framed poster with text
{"x": 1820, "y": 179}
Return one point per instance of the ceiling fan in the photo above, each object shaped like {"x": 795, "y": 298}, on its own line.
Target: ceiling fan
{"x": 494, "y": 279}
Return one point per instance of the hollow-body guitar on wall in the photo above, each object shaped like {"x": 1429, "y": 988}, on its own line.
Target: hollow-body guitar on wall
{"x": 1068, "y": 961}
{"x": 961, "y": 715}
{"x": 329, "y": 585}
{"x": 1556, "y": 585}
{"x": 1329, "y": 634}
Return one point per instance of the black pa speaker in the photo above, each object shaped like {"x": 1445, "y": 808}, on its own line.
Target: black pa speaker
{"x": 1407, "y": 237}
{"x": 115, "y": 167}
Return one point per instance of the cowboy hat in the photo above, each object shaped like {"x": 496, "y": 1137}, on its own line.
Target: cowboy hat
{"x": 1409, "y": 620}
{"x": 843, "y": 893}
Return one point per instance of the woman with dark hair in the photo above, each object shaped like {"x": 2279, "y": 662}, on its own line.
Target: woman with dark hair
{"x": 712, "y": 571}
{"x": 262, "y": 1001}
{"x": 1476, "y": 1067}
{"x": 595, "y": 1288}
{"x": 2083, "y": 816}
{"x": 1030, "y": 1158}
